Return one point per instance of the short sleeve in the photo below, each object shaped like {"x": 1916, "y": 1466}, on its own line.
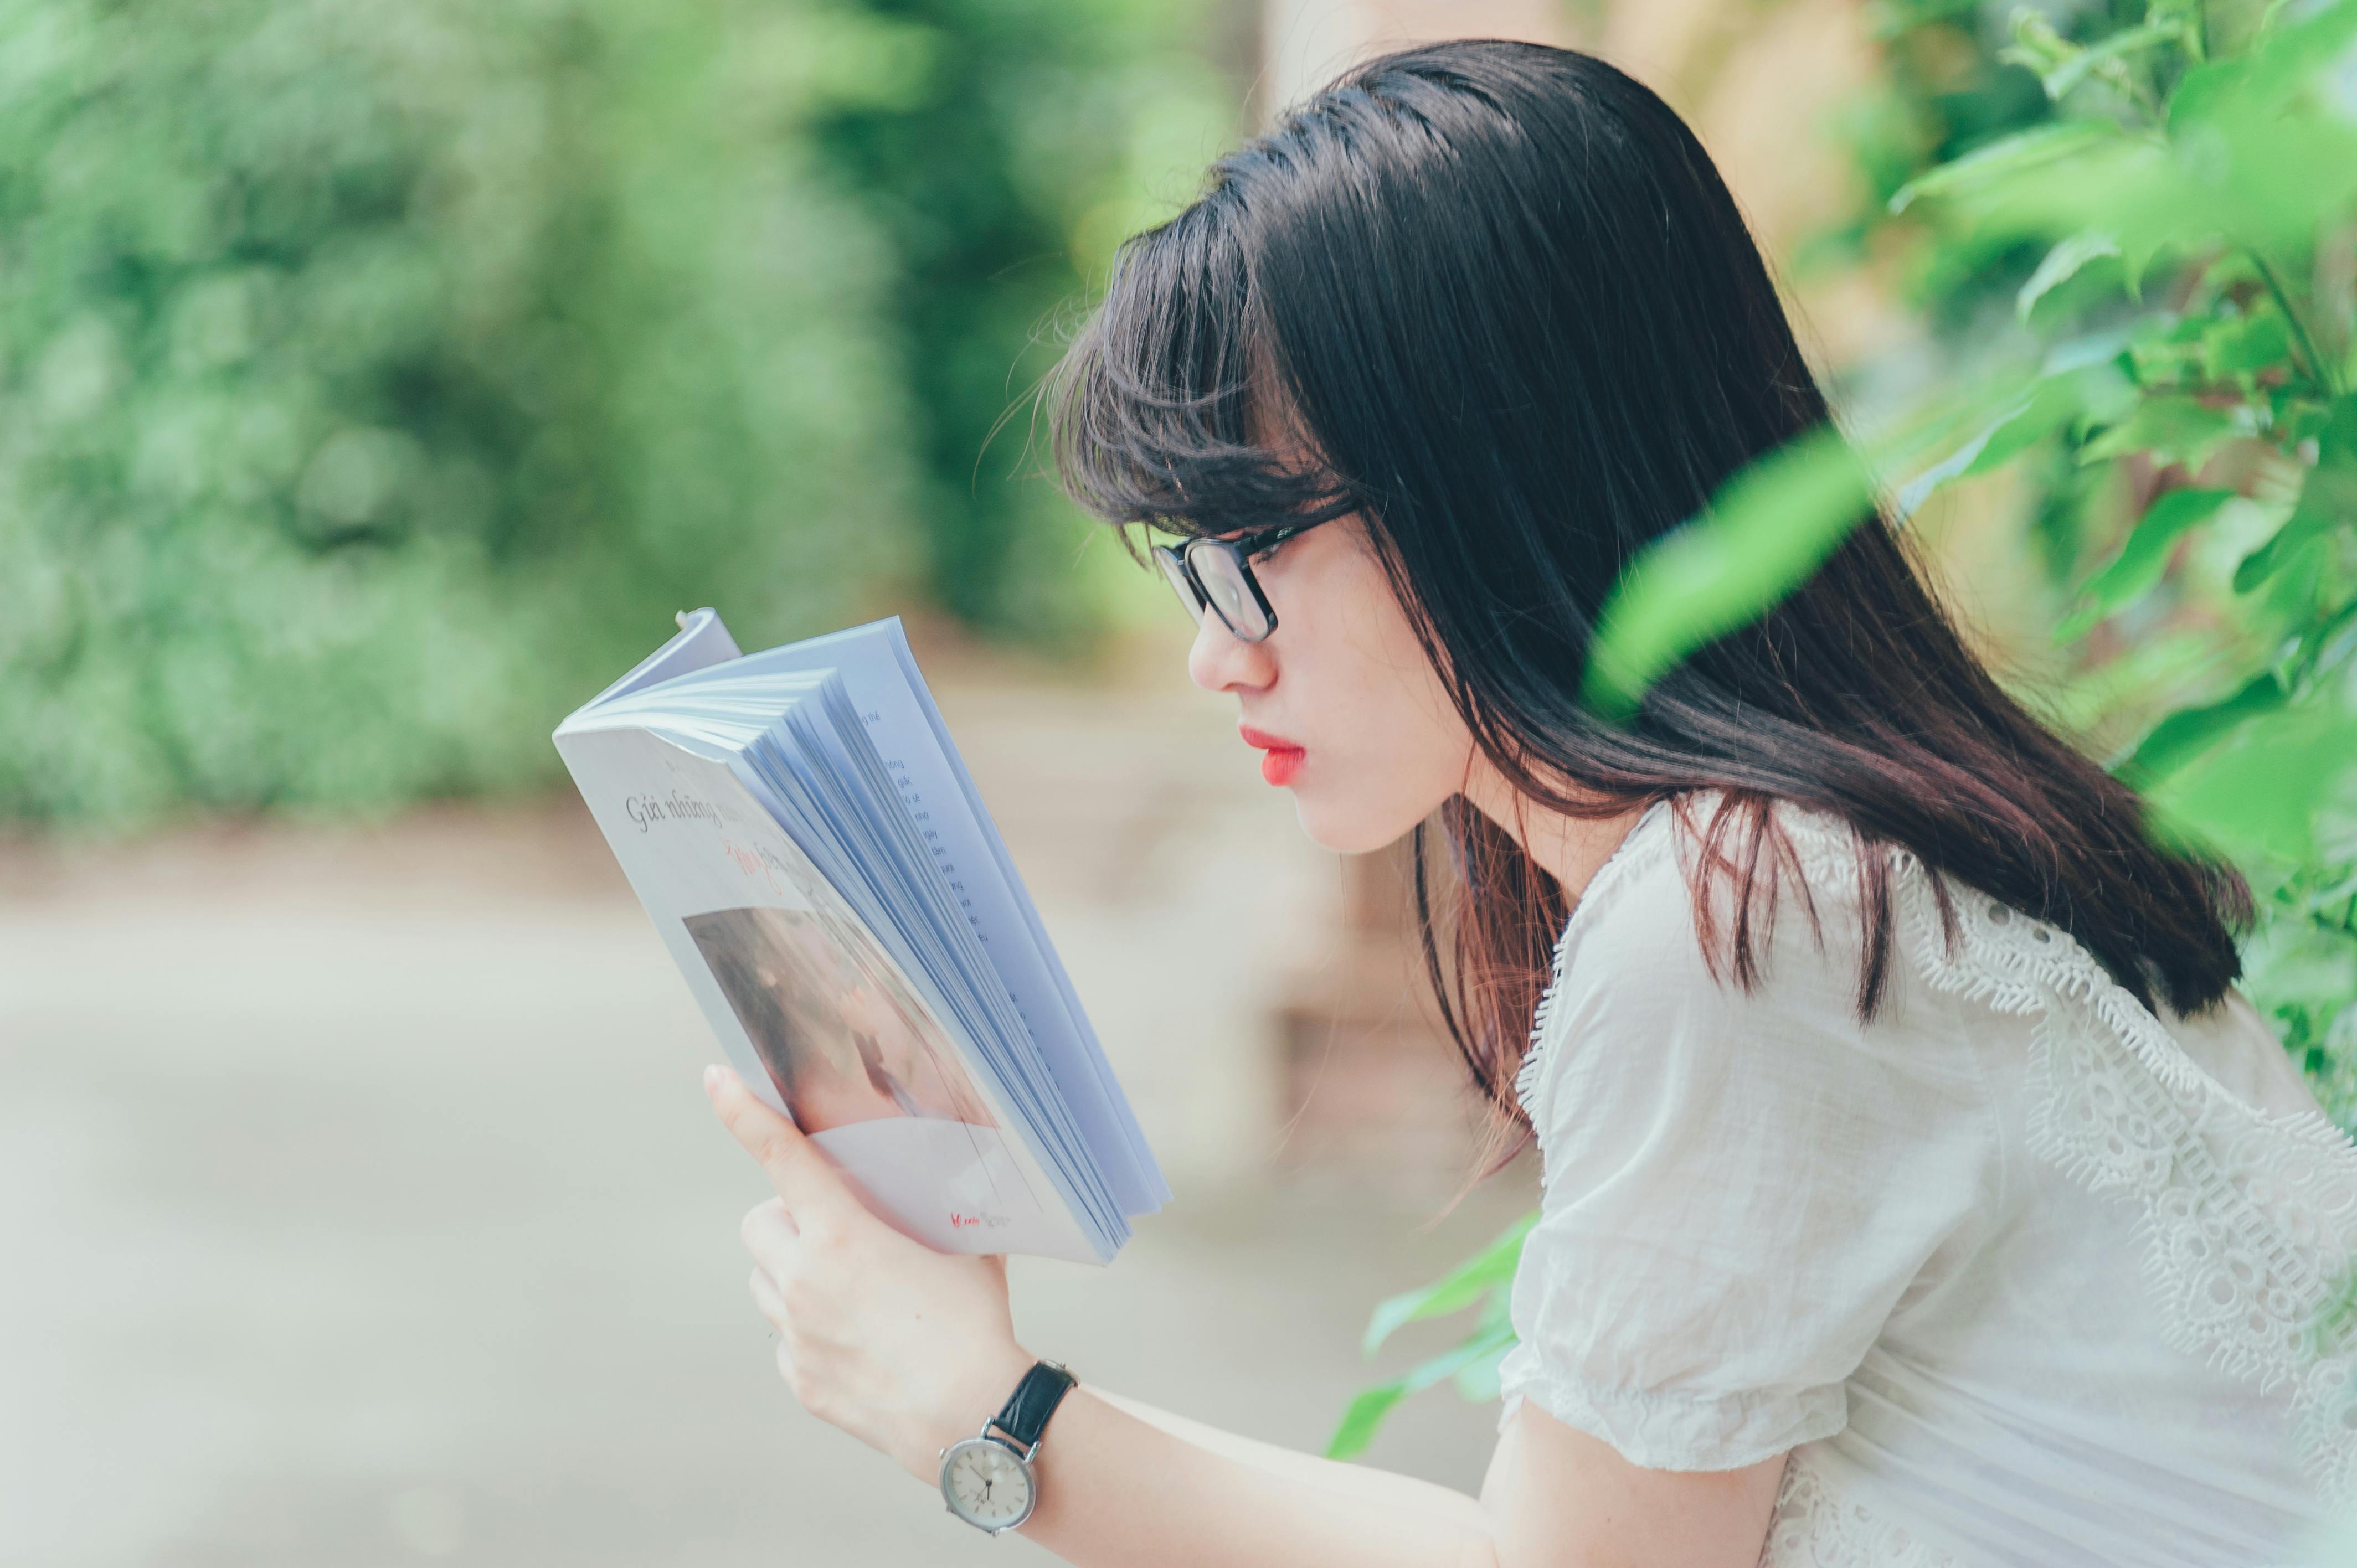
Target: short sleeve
{"x": 1740, "y": 1186}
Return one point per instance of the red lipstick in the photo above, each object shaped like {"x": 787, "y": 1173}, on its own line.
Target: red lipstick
{"x": 1281, "y": 759}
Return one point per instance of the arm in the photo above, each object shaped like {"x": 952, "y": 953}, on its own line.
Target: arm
{"x": 908, "y": 1348}
{"x": 1292, "y": 1465}
{"x": 1116, "y": 1488}
{"x": 1147, "y": 1490}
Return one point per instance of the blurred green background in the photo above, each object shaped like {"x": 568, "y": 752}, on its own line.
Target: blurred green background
{"x": 376, "y": 380}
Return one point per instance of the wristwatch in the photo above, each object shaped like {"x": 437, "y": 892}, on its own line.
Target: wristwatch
{"x": 987, "y": 1479}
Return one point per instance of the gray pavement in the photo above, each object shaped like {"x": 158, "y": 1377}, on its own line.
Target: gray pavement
{"x": 359, "y": 1206}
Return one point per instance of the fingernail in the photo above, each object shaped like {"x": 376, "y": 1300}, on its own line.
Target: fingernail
{"x": 712, "y": 1079}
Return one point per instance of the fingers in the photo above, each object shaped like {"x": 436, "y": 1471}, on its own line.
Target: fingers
{"x": 772, "y": 1305}
{"x": 770, "y": 1234}
{"x": 800, "y": 1175}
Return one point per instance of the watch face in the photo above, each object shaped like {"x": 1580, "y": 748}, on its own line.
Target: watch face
{"x": 986, "y": 1483}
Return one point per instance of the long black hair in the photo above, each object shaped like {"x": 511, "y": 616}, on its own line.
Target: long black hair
{"x": 1500, "y": 294}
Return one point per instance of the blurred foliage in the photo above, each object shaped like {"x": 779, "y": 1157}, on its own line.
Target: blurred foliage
{"x": 375, "y": 381}
{"x": 1033, "y": 133}
{"x": 2131, "y": 232}
{"x": 1480, "y": 1284}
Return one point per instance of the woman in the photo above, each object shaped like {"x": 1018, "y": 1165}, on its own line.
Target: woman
{"x": 1917, "y": 1188}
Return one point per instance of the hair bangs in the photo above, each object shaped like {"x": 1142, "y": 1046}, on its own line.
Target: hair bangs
{"x": 1161, "y": 408}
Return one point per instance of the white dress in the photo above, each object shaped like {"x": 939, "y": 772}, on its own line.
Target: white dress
{"x": 2019, "y": 1274}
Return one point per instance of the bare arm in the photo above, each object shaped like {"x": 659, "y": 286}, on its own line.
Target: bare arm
{"x": 1116, "y": 1488}
{"x": 1125, "y": 1486}
{"x": 1560, "y": 1498}
{"x": 906, "y": 1349}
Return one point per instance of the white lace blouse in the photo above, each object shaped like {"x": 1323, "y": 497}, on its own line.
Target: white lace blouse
{"x": 2019, "y": 1274}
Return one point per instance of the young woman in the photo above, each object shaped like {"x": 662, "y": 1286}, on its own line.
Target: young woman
{"x": 1917, "y": 1188}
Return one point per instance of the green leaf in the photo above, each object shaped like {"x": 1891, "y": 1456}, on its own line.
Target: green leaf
{"x": 2061, "y": 264}
{"x": 2035, "y": 149}
{"x": 1766, "y": 530}
{"x": 2259, "y": 153}
{"x": 2136, "y": 260}
{"x": 2164, "y": 350}
{"x": 2051, "y": 404}
{"x": 2284, "y": 64}
{"x": 2173, "y": 430}
{"x": 2328, "y": 499}
{"x": 2080, "y": 378}
{"x": 1965, "y": 459}
{"x": 2004, "y": 414}
{"x": 2141, "y": 560}
{"x": 2200, "y": 90}
{"x": 2036, "y": 47}
{"x": 2260, "y": 792}
{"x": 2306, "y": 523}
{"x": 2187, "y": 18}
{"x": 1460, "y": 1288}
{"x": 1366, "y": 1413}
{"x": 1363, "y": 1416}
{"x": 2070, "y": 72}
{"x": 2187, "y": 733}
{"x": 2245, "y": 345}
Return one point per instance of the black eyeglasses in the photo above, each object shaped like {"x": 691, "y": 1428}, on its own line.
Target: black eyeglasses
{"x": 1216, "y": 573}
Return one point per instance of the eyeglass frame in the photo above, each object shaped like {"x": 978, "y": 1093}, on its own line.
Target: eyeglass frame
{"x": 1240, "y": 550}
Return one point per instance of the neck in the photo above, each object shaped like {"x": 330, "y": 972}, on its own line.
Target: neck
{"x": 1569, "y": 848}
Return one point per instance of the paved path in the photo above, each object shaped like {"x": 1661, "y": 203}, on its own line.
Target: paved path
{"x": 359, "y": 1206}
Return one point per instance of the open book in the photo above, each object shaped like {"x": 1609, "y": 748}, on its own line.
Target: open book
{"x": 800, "y": 826}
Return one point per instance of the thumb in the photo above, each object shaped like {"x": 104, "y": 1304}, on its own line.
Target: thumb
{"x": 803, "y": 1176}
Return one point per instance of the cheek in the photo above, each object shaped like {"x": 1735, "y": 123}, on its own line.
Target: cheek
{"x": 1417, "y": 744}
{"x": 1398, "y": 749}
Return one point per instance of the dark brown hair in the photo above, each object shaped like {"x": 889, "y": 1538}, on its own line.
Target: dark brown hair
{"x": 1506, "y": 299}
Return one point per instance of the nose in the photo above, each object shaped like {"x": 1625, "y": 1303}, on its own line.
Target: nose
{"x": 1219, "y": 661}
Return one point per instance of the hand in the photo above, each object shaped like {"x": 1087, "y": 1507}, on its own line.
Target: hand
{"x": 906, "y": 1349}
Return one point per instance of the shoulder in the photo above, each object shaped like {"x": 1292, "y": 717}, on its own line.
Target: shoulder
{"x": 1647, "y": 1000}
{"x": 1689, "y": 871}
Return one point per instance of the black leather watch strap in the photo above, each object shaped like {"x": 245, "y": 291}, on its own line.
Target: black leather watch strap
{"x": 1035, "y": 1399}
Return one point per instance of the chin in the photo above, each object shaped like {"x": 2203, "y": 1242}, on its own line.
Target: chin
{"x": 1349, "y": 828}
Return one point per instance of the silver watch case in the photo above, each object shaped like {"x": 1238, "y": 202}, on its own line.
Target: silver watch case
{"x": 1022, "y": 1457}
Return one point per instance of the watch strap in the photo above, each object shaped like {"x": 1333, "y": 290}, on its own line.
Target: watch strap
{"x": 1034, "y": 1401}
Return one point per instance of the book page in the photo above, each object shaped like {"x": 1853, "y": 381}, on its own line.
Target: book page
{"x": 812, "y": 1011}
{"x": 881, "y": 678}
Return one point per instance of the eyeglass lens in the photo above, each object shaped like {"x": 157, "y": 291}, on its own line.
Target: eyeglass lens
{"x": 1221, "y": 571}
{"x": 1212, "y": 572}
{"x": 1175, "y": 569}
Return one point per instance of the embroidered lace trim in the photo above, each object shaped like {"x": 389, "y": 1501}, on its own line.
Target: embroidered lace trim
{"x": 1815, "y": 1527}
{"x": 2249, "y": 1218}
{"x": 1630, "y": 850}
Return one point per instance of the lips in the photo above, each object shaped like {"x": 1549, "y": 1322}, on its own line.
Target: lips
{"x": 1280, "y": 759}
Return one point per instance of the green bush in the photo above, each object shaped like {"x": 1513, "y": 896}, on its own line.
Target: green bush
{"x": 376, "y": 380}
{"x": 1040, "y": 133}
{"x": 2136, "y": 242}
